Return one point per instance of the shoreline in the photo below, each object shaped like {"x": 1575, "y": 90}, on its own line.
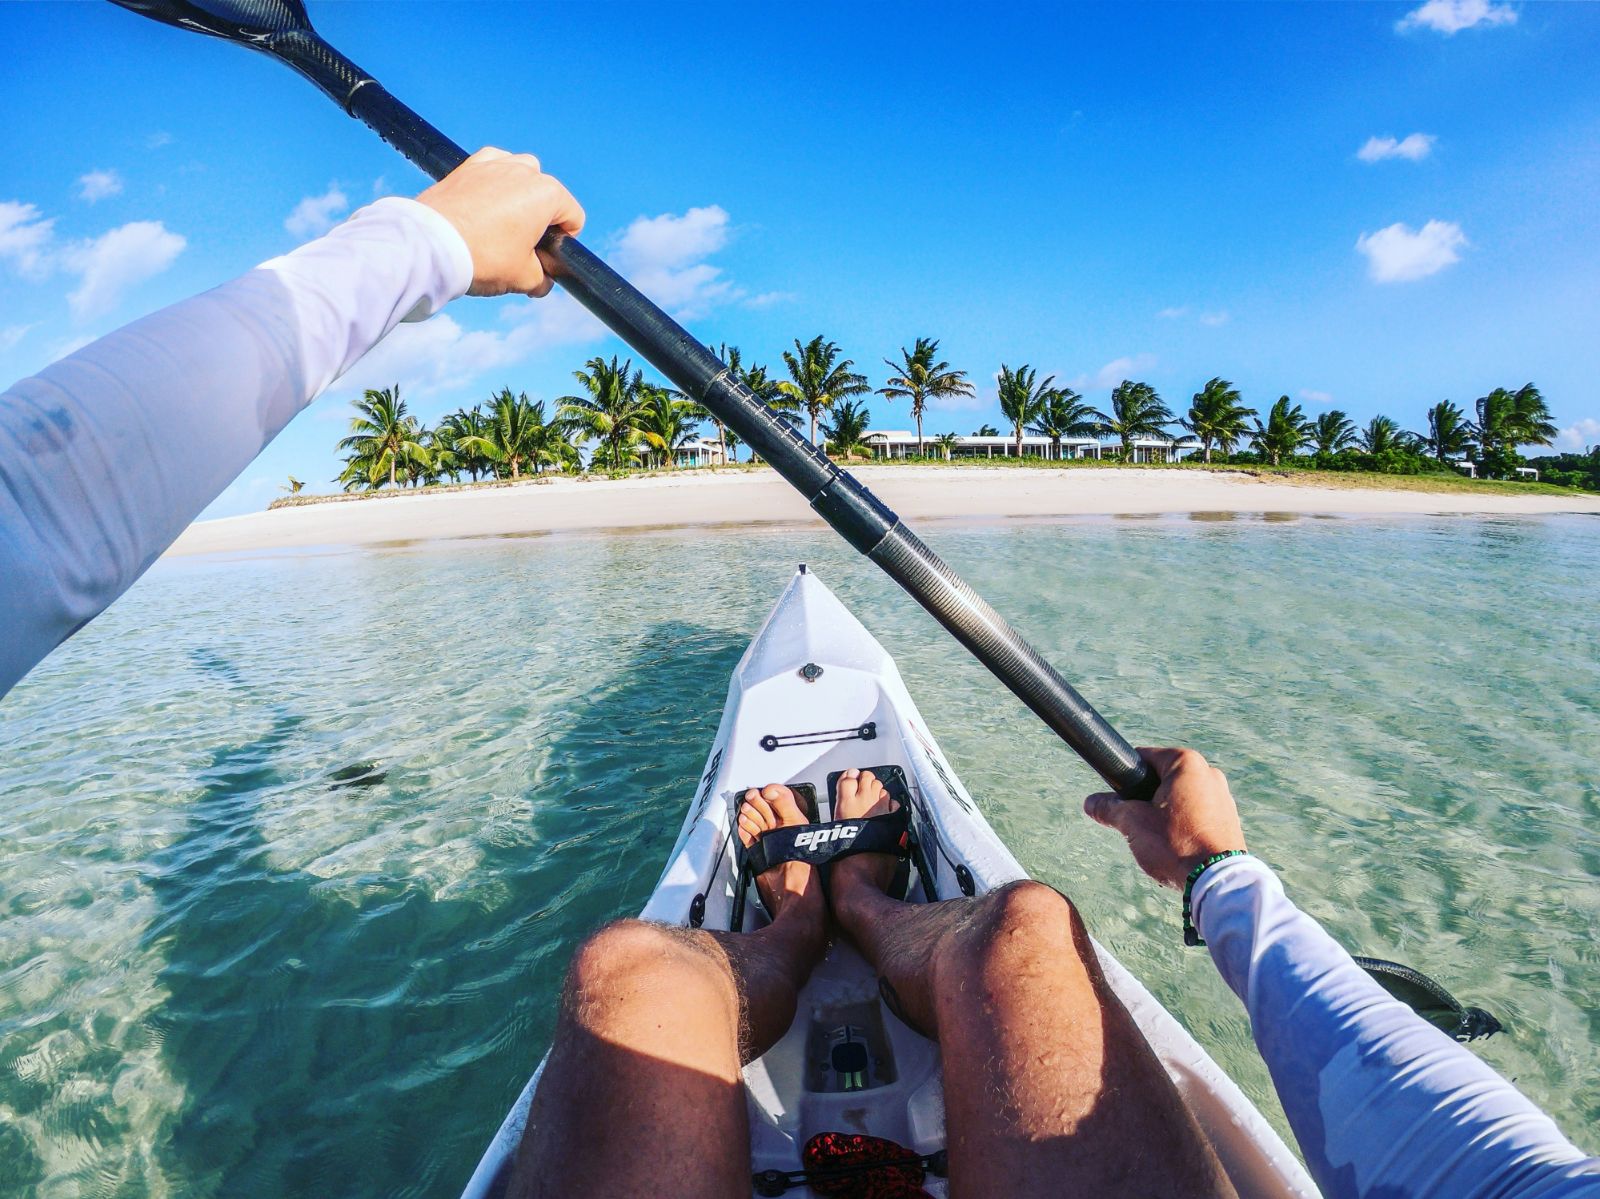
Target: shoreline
{"x": 707, "y": 499}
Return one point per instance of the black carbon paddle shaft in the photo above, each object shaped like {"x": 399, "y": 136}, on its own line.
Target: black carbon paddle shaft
{"x": 853, "y": 511}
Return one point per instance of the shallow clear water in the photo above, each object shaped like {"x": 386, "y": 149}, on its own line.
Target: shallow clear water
{"x": 293, "y": 850}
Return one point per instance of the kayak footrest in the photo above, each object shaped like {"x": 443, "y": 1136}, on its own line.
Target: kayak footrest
{"x": 861, "y": 732}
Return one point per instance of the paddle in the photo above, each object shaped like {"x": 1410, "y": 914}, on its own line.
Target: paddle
{"x": 282, "y": 29}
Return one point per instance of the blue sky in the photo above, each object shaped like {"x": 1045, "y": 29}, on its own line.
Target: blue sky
{"x": 1371, "y": 206}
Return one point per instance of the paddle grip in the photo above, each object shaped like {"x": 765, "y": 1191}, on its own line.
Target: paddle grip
{"x": 853, "y": 511}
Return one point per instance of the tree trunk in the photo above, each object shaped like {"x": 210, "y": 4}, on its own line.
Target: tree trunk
{"x": 813, "y": 413}
{"x": 921, "y": 453}
{"x": 391, "y": 470}
{"x": 516, "y": 472}
{"x": 1208, "y": 453}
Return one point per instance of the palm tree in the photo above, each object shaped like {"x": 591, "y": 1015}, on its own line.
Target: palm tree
{"x": 919, "y": 378}
{"x": 1380, "y": 436}
{"x": 844, "y": 435}
{"x": 1136, "y": 411}
{"x": 1508, "y": 419}
{"x": 1064, "y": 414}
{"x": 458, "y": 428}
{"x": 384, "y": 440}
{"x": 946, "y": 442}
{"x": 442, "y": 458}
{"x": 517, "y": 435}
{"x": 1286, "y": 430}
{"x": 1022, "y": 400}
{"x": 666, "y": 421}
{"x": 610, "y": 412}
{"x": 818, "y": 379}
{"x": 1448, "y": 431}
{"x": 1333, "y": 431}
{"x": 733, "y": 443}
{"x": 1217, "y": 416}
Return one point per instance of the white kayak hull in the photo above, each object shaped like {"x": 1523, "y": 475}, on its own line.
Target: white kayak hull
{"x": 812, "y": 677}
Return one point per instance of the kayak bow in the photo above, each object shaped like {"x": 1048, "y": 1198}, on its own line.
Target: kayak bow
{"x": 816, "y": 694}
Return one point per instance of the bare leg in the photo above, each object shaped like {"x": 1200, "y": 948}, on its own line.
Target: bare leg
{"x": 642, "y": 1093}
{"x": 1050, "y": 1088}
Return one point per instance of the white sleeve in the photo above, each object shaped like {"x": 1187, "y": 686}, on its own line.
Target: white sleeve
{"x": 107, "y": 455}
{"x": 1381, "y": 1102}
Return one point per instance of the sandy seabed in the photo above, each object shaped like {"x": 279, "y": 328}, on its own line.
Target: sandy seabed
{"x": 712, "y": 498}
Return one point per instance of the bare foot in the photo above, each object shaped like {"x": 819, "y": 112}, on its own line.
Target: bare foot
{"x": 788, "y": 886}
{"x": 860, "y": 795}
{"x": 899, "y": 939}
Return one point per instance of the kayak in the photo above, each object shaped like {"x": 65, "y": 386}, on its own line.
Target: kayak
{"x": 813, "y": 695}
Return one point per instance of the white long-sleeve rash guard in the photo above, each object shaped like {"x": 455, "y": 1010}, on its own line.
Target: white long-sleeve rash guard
{"x": 1384, "y": 1105}
{"x": 107, "y": 455}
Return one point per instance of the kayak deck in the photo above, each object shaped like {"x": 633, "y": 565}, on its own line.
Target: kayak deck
{"x": 815, "y": 694}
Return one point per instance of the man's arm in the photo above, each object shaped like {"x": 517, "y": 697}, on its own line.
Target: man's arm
{"x": 107, "y": 455}
{"x": 1381, "y": 1102}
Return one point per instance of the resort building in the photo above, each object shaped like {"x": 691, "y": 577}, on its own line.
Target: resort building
{"x": 698, "y": 452}
{"x": 898, "y": 443}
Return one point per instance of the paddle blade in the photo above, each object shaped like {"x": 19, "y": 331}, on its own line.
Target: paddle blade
{"x": 249, "y": 21}
{"x": 280, "y": 28}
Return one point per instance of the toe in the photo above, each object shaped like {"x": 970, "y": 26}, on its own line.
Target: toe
{"x": 783, "y": 803}
{"x": 762, "y": 809}
{"x": 750, "y": 829}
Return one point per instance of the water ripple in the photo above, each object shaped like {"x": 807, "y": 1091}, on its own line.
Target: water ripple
{"x": 295, "y": 851}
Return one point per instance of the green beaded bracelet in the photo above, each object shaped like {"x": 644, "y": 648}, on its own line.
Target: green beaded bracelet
{"x": 1191, "y": 935}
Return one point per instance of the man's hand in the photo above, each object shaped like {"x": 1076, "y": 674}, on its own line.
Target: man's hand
{"x": 501, "y": 204}
{"x": 1191, "y": 817}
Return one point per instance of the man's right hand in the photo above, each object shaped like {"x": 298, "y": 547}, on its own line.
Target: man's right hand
{"x": 501, "y": 204}
{"x": 1191, "y": 817}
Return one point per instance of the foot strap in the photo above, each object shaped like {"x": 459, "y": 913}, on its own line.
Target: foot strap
{"x": 819, "y": 844}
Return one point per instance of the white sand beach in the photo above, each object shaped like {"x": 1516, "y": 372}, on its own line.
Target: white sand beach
{"x": 703, "y": 498}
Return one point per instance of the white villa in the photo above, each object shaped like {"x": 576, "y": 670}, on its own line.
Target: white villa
{"x": 898, "y": 443}
{"x": 699, "y": 452}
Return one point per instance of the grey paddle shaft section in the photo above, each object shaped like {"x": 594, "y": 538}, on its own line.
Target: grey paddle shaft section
{"x": 280, "y": 28}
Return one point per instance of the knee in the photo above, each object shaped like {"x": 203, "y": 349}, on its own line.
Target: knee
{"x": 1030, "y": 908}
{"x": 636, "y": 957}
{"x": 1023, "y": 917}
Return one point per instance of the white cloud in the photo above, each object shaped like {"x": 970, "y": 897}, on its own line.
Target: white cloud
{"x": 315, "y": 215}
{"x": 767, "y": 299}
{"x": 1452, "y": 16}
{"x": 25, "y": 234}
{"x": 983, "y": 397}
{"x": 662, "y": 256}
{"x": 1399, "y": 254}
{"x": 10, "y": 335}
{"x": 440, "y": 354}
{"x": 1411, "y": 147}
{"x": 1580, "y": 435}
{"x": 1182, "y": 311}
{"x": 1114, "y": 372}
{"x": 1320, "y": 398}
{"x": 117, "y": 260}
{"x": 97, "y": 185}
{"x": 158, "y": 139}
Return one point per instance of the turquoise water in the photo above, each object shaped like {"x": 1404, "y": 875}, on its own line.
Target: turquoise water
{"x": 293, "y": 849}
